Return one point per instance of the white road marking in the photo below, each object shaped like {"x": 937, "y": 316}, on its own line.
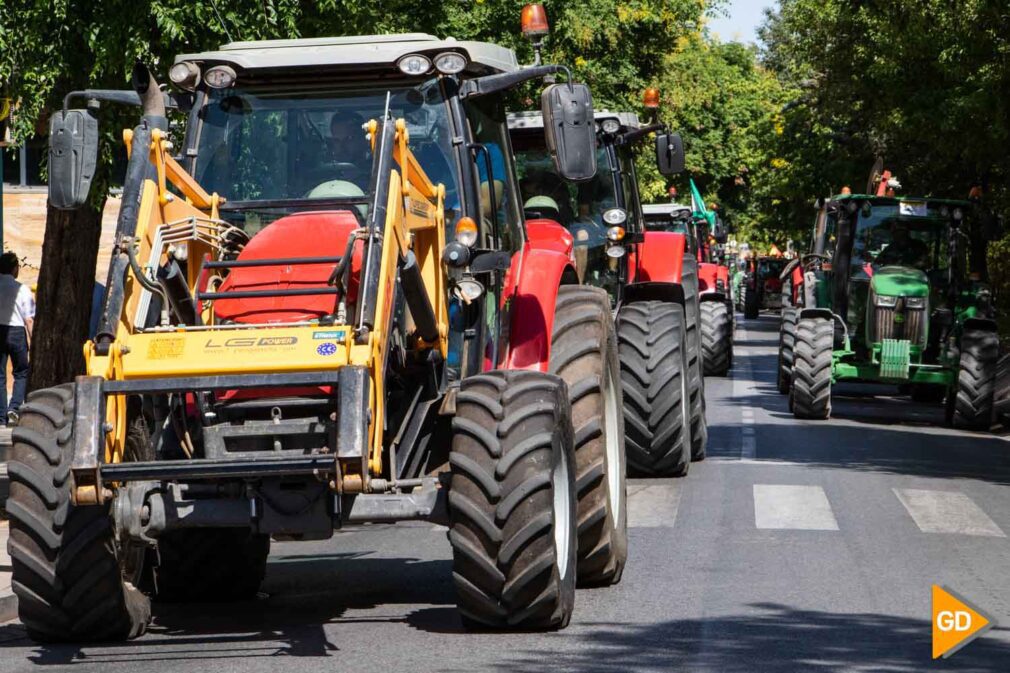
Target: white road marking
{"x": 946, "y": 512}
{"x": 781, "y": 506}
{"x": 654, "y": 506}
{"x": 748, "y": 448}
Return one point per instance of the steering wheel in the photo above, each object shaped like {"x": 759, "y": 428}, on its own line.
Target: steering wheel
{"x": 813, "y": 257}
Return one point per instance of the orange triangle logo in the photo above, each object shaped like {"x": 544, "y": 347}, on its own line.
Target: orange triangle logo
{"x": 955, "y": 622}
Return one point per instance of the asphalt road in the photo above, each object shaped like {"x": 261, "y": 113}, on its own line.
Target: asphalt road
{"x": 796, "y": 546}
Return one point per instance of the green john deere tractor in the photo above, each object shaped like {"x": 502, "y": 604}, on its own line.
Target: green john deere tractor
{"x": 893, "y": 292}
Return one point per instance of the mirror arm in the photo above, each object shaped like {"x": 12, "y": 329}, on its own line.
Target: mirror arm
{"x": 633, "y": 136}
{"x": 125, "y": 97}
{"x": 482, "y": 86}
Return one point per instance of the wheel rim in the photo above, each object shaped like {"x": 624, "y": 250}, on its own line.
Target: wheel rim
{"x": 613, "y": 444}
{"x": 562, "y": 513}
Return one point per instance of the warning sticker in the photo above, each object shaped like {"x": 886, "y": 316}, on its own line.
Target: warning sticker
{"x": 164, "y": 349}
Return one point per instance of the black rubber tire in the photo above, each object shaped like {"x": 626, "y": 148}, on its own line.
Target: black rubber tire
{"x": 695, "y": 359}
{"x": 204, "y": 565}
{"x": 976, "y": 380}
{"x": 584, "y": 355}
{"x": 66, "y": 571}
{"x": 512, "y": 456}
{"x": 1001, "y": 396}
{"x": 787, "y": 341}
{"x": 651, "y": 336}
{"x": 751, "y": 303}
{"x": 810, "y": 392}
{"x": 716, "y": 338}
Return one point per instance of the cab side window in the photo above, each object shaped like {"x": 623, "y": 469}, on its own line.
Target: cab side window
{"x": 495, "y": 173}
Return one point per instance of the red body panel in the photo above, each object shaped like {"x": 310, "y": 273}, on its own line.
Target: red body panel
{"x": 708, "y": 274}
{"x": 797, "y": 284}
{"x": 531, "y": 292}
{"x": 660, "y": 259}
{"x": 547, "y": 234}
{"x": 312, "y": 234}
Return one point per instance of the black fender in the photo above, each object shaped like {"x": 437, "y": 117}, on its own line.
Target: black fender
{"x": 817, "y": 313}
{"x": 713, "y": 296}
{"x": 654, "y": 291}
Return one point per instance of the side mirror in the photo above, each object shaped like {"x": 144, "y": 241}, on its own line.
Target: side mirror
{"x": 73, "y": 154}
{"x": 570, "y": 130}
{"x": 669, "y": 153}
{"x": 719, "y": 231}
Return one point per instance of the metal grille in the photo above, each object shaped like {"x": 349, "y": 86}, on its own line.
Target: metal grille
{"x": 912, "y": 328}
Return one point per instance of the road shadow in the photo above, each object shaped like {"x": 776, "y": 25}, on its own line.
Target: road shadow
{"x": 301, "y": 594}
{"x": 774, "y": 638}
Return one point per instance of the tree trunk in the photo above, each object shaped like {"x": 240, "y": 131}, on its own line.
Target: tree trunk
{"x": 66, "y": 284}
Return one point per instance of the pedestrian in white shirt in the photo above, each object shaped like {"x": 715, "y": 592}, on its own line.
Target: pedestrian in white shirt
{"x": 17, "y": 315}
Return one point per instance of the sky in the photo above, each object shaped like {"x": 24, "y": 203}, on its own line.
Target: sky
{"x": 744, "y": 18}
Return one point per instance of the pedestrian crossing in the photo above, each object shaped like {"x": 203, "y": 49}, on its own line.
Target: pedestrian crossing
{"x": 808, "y": 508}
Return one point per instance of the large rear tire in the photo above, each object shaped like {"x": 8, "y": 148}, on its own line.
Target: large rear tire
{"x": 787, "y": 341}
{"x": 210, "y": 564}
{"x": 651, "y": 339}
{"x": 716, "y": 338}
{"x": 976, "y": 380}
{"x": 810, "y": 393}
{"x": 512, "y": 507}
{"x": 751, "y": 302}
{"x": 67, "y": 571}
{"x": 584, "y": 355}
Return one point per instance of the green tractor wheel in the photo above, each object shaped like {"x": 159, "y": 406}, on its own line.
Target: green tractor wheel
{"x": 787, "y": 341}
{"x": 810, "y": 394}
{"x": 971, "y": 405}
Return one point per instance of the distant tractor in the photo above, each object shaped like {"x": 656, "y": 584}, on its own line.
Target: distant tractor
{"x": 715, "y": 293}
{"x": 652, "y": 283}
{"x": 757, "y": 287}
{"x": 893, "y": 292}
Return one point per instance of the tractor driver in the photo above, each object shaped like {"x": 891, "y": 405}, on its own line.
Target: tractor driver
{"x": 349, "y": 147}
{"x": 903, "y": 250}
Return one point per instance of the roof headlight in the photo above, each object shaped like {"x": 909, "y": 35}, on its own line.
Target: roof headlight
{"x": 220, "y": 77}
{"x": 450, "y": 63}
{"x": 185, "y": 75}
{"x": 414, "y": 64}
{"x": 611, "y": 126}
{"x": 615, "y": 216}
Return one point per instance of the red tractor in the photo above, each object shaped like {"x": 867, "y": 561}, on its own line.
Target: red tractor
{"x": 651, "y": 282}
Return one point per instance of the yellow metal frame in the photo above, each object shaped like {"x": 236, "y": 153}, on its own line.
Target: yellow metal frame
{"x": 415, "y": 221}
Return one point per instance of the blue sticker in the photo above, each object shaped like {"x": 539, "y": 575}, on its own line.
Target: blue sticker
{"x": 332, "y": 334}
{"x": 326, "y": 349}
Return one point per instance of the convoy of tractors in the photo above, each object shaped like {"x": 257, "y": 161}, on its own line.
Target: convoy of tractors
{"x": 354, "y": 288}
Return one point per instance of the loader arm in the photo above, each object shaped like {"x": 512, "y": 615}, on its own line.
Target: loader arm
{"x": 402, "y": 240}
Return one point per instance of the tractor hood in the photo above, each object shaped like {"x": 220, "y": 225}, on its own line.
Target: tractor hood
{"x": 900, "y": 281}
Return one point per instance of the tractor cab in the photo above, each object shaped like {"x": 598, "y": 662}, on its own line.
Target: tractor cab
{"x": 673, "y": 218}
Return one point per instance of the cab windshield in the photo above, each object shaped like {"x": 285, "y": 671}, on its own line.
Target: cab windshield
{"x": 911, "y": 234}
{"x": 260, "y": 147}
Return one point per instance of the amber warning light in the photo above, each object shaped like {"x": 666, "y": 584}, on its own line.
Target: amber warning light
{"x": 534, "y": 21}
{"x": 650, "y": 98}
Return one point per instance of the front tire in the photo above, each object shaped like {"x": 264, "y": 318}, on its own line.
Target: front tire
{"x": 810, "y": 395}
{"x": 976, "y": 380}
{"x": 787, "y": 341}
{"x": 512, "y": 508}
{"x": 651, "y": 339}
{"x": 67, "y": 571}
{"x": 584, "y": 355}
{"x": 716, "y": 338}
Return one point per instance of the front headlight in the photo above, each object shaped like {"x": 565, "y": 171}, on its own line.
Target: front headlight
{"x": 616, "y": 251}
{"x": 915, "y": 302}
{"x": 885, "y": 301}
{"x": 615, "y": 216}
